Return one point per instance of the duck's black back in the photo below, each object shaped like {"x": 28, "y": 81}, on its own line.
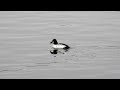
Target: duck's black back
{"x": 66, "y": 46}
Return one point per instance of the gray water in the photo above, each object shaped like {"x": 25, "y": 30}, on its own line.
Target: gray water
{"x": 94, "y": 38}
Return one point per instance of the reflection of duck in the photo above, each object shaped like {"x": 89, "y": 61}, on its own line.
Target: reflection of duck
{"x": 57, "y": 45}
{"x": 56, "y": 51}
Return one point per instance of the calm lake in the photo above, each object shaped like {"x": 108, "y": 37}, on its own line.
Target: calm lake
{"x": 25, "y": 49}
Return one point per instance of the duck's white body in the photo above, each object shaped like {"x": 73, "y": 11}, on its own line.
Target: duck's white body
{"x": 58, "y": 46}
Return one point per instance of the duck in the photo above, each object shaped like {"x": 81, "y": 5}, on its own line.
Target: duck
{"x": 57, "y": 45}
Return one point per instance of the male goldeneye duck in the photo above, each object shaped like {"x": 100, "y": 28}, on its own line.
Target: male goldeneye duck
{"x": 57, "y": 45}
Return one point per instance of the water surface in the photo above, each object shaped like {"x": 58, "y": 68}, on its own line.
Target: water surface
{"x": 94, "y": 38}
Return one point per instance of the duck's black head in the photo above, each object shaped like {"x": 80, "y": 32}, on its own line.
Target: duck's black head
{"x": 54, "y": 41}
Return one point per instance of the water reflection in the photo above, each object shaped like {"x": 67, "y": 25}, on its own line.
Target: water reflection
{"x": 58, "y": 51}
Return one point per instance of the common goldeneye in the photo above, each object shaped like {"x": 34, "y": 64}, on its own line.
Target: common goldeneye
{"x": 57, "y": 45}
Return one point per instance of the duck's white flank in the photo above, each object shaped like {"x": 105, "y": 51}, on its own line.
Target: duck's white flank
{"x": 58, "y": 46}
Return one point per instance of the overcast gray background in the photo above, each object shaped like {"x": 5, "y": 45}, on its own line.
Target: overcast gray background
{"x": 94, "y": 38}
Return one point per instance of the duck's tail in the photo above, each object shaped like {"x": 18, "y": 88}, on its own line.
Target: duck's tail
{"x": 67, "y": 47}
